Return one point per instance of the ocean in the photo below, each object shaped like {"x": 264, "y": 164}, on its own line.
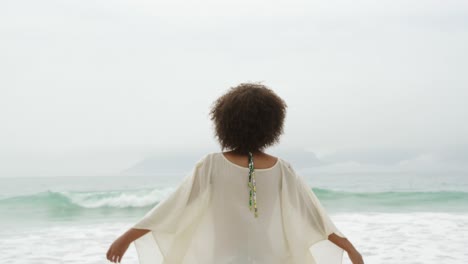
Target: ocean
{"x": 410, "y": 218}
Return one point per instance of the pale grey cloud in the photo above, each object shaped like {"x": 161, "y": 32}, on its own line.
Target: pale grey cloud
{"x": 134, "y": 77}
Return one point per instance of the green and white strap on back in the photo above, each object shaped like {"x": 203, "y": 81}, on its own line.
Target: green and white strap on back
{"x": 252, "y": 186}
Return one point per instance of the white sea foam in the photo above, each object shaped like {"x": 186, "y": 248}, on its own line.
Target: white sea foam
{"x": 117, "y": 199}
{"x": 383, "y": 238}
{"x": 407, "y": 238}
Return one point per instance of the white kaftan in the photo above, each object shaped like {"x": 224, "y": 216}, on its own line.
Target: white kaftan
{"x": 207, "y": 220}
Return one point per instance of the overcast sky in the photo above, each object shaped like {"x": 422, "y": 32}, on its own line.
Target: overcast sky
{"x": 94, "y": 87}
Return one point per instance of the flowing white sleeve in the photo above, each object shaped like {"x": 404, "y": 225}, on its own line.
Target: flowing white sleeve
{"x": 306, "y": 222}
{"x": 174, "y": 219}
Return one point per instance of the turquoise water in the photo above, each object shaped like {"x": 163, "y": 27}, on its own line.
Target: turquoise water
{"x": 95, "y": 205}
{"x": 52, "y": 199}
{"x": 389, "y": 218}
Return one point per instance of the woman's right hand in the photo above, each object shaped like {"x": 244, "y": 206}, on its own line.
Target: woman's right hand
{"x": 355, "y": 257}
{"x": 117, "y": 250}
{"x": 121, "y": 244}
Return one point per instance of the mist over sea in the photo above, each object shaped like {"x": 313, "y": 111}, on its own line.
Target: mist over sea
{"x": 389, "y": 218}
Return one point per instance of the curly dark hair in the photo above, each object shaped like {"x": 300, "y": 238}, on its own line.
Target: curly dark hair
{"x": 248, "y": 117}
